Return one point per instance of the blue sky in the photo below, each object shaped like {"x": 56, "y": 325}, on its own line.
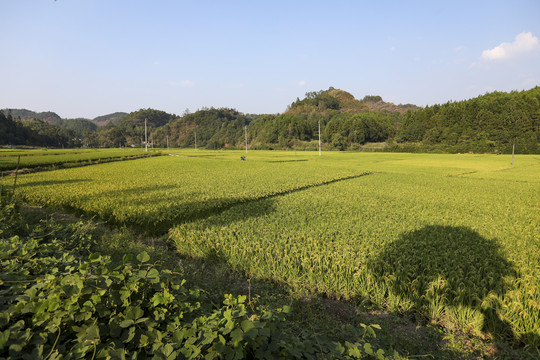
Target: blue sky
{"x": 85, "y": 58}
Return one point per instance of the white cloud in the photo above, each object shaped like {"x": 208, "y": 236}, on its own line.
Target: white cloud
{"x": 523, "y": 43}
{"x": 302, "y": 83}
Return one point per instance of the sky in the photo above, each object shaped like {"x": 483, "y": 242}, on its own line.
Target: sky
{"x": 86, "y": 58}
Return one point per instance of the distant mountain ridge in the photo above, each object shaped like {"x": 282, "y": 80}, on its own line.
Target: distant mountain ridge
{"x": 113, "y": 118}
{"x": 54, "y": 119}
{"x": 319, "y": 102}
{"x": 24, "y": 114}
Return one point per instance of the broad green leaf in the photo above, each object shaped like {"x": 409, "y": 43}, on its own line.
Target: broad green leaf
{"x": 368, "y": 349}
{"x": 127, "y": 323}
{"x": 143, "y": 257}
{"x": 237, "y": 335}
{"x": 249, "y": 328}
{"x": 4, "y": 336}
{"x": 134, "y": 312}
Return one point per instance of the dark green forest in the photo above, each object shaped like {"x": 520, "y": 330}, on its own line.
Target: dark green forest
{"x": 34, "y": 132}
{"x": 490, "y": 123}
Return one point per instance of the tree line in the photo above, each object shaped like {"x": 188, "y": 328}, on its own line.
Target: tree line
{"x": 488, "y": 123}
{"x": 34, "y": 132}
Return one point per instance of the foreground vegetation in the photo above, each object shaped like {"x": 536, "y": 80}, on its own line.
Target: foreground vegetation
{"x": 61, "y": 301}
{"x": 449, "y": 240}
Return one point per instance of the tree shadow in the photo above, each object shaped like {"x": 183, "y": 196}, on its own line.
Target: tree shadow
{"x": 174, "y": 210}
{"x": 286, "y": 161}
{"x": 438, "y": 267}
{"x": 50, "y": 182}
{"x": 162, "y": 207}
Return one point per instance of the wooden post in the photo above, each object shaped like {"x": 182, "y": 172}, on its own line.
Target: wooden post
{"x": 16, "y": 173}
{"x": 319, "y": 137}
{"x": 145, "y": 137}
{"x": 245, "y": 132}
{"x": 513, "y": 146}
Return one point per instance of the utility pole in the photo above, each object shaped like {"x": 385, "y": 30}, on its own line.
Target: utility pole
{"x": 513, "y": 145}
{"x": 245, "y": 132}
{"x": 145, "y": 137}
{"x": 167, "y": 142}
{"x": 319, "y": 137}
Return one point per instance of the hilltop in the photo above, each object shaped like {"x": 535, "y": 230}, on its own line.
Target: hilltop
{"x": 113, "y": 118}
{"x": 376, "y": 103}
{"x": 324, "y": 101}
{"x": 24, "y": 114}
{"x": 52, "y": 117}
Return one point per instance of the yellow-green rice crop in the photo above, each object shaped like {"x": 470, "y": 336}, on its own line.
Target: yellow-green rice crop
{"x": 155, "y": 193}
{"x": 43, "y": 157}
{"x": 454, "y": 238}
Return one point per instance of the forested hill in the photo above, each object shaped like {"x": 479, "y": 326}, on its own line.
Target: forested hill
{"x": 335, "y": 99}
{"x": 114, "y": 118}
{"x": 376, "y": 103}
{"x": 79, "y": 127}
{"x": 488, "y": 124}
{"x": 23, "y": 114}
{"x": 53, "y": 118}
{"x": 346, "y": 123}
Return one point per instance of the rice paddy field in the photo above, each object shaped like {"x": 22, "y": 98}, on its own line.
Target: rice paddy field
{"x": 454, "y": 239}
{"x": 32, "y": 158}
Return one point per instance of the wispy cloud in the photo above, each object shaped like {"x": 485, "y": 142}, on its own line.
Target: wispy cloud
{"x": 302, "y": 83}
{"x": 183, "y": 83}
{"x": 524, "y": 43}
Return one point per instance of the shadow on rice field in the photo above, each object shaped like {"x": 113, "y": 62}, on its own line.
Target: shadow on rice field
{"x": 447, "y": 271}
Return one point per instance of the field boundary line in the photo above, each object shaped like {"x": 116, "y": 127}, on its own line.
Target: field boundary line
{"x": 77, "y": 164}
{"x": 204, "y": 157}
{"x": 227, "y": 206}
